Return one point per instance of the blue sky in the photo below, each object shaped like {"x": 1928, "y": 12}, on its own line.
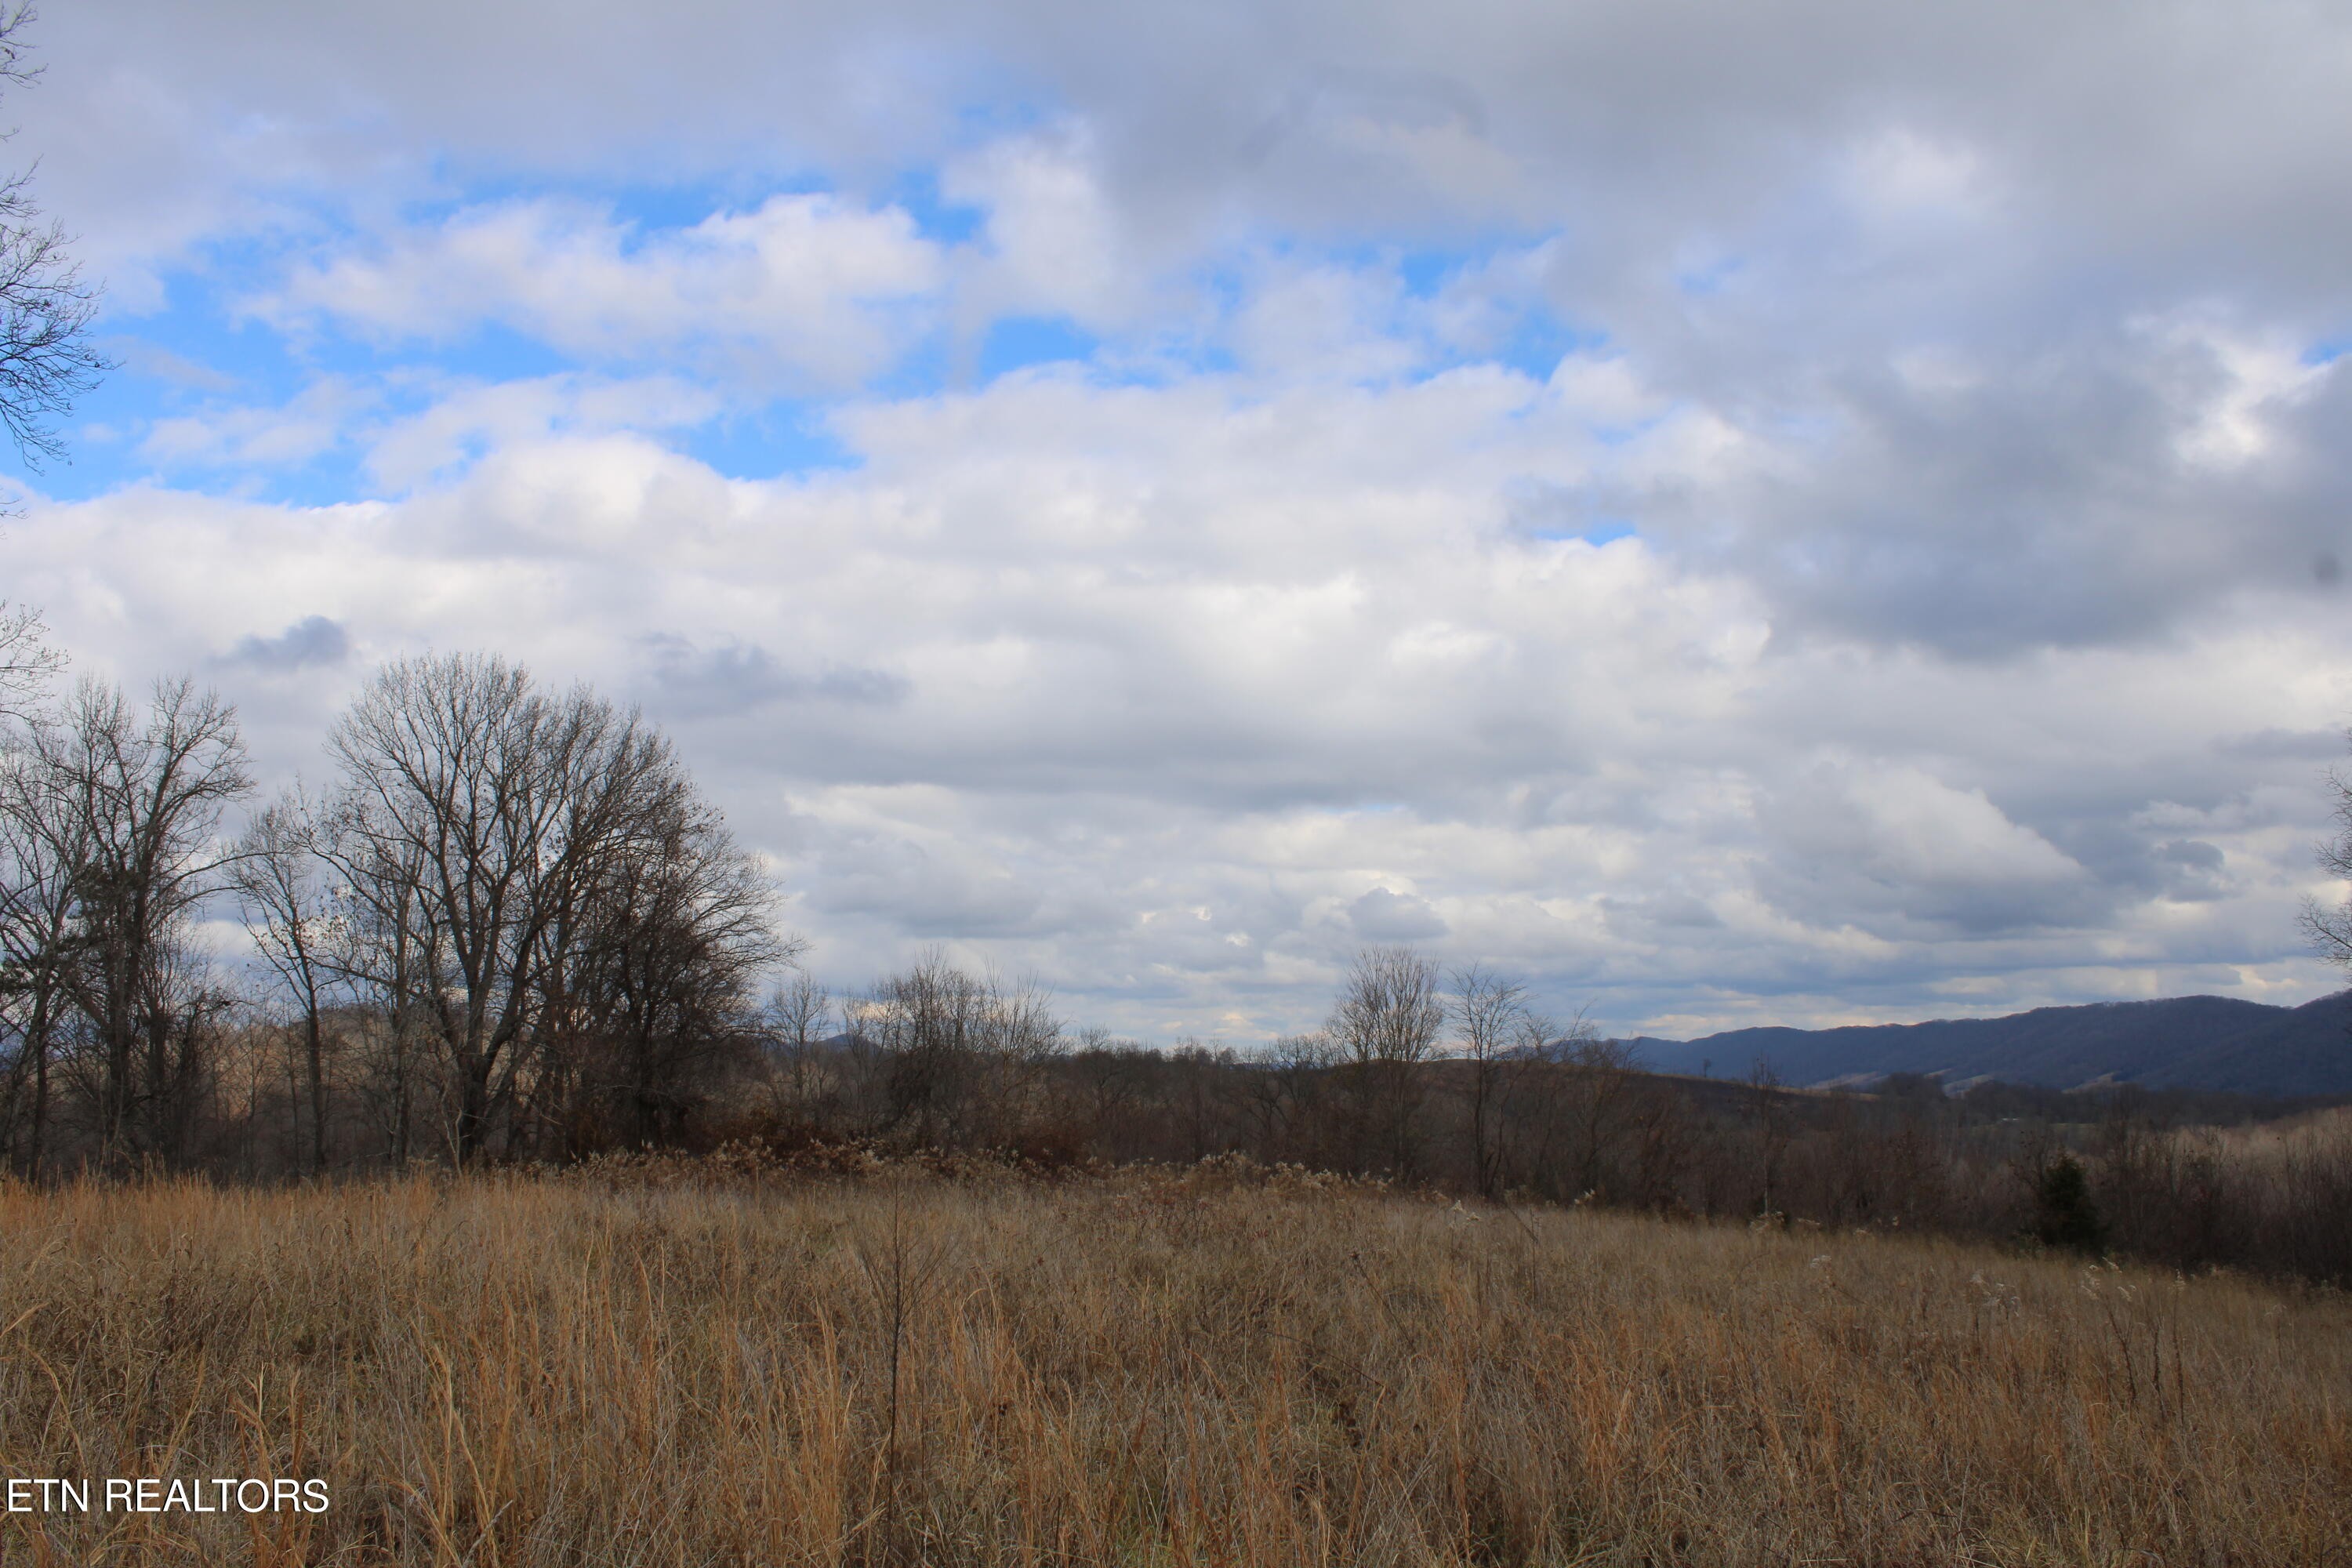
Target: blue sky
{"x": 1730, "y": 516}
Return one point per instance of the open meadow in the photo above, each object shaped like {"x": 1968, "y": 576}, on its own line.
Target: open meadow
{"x": 670, "y": 1363}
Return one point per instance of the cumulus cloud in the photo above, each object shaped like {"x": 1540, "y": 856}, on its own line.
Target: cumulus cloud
{"x": 1052, "y": 240}
{"x": 1740, "y": 516}
{"x": 465, "y": 422}
{"x": 801, "y": 289}
{"x": 1178, "y": 746}
{"x": 1896, "y": 850}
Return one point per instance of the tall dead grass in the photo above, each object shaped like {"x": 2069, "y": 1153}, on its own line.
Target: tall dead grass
{"x": 1209, "y": 1368}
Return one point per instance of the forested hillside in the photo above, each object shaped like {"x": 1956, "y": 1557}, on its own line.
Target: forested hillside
{"x": 2182, "y": 1041}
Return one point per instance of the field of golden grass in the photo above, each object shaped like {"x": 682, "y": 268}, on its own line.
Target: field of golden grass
{"x": 1204, "y": 1367}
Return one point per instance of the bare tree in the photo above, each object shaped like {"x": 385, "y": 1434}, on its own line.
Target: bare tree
{"x": 2330, "y": 929}
{"x": 1287, "y": 1099}
{"x": 1274, "y": 1090}
{"x": 45, "y": 357}
{"x": 800, "y": 1009}
{"x": 1767, "y": 1110}
{"x": 287, "y": 914}
{"x": 38, "y": 868}
{"x": 132, "y": 805}
{"x": 1495, "y": 1027}
{"x": 1199, "y": 1074}
{"x": 1602, "y": 1103}
{"x": 459, "y": 774}
{"x": 671, "y": 937}
{"x": 547, "y": 896}
{"x": 28, "y": 661}
{"x": 42, "y": 851}
{"x": 1108, "y": 1076}
{"x": 1389, "y": 1018}
{"x": 376, "y": 951}
{"x": 963, "y": 1053}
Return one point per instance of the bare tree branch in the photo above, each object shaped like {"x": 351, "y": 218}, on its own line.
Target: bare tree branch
{"x": 46, "y": 308}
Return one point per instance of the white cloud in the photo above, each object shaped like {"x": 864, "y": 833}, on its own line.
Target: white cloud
{"x": 1901, "y": 173}
{"x": 802, "y": 288}
{"x": 465, "y": 422}
{"x": 315, "y": 420}
{"x": 1327, "y": 321}
{"x": 1895, "y": 851}
{"x": 1052, "y": 241}
{"x": 1984, "y": 480}
{"x": 2232, "y": 409}
{"x": 1052, "y": 669}
{"x": 401, "y": 450}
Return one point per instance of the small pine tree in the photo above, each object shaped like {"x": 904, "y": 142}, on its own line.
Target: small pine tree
{"x": 2063, "y": 1213}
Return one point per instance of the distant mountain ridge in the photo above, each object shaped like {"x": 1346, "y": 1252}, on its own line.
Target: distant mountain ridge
{"x": 2184, "y": 1042}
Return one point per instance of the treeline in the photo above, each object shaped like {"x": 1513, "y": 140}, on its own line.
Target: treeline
{"x": 508, "y": 928}
{"x": 1453, "y": 1080}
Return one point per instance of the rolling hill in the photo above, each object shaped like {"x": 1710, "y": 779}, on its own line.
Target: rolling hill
{"x": 2186, "y": 1042}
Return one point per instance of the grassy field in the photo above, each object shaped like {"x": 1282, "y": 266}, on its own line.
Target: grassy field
{"x": 1207, "y": 1367}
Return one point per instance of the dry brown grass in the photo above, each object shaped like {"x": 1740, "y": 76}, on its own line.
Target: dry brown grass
{"x": 1146, "y": 1370}
{"x": 2312, "y": 1133}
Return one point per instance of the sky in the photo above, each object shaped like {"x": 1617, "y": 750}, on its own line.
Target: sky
{"x": 1730, "y": 515}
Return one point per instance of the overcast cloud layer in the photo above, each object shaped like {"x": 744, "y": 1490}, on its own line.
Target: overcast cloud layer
{"x": 1805, "y": 514}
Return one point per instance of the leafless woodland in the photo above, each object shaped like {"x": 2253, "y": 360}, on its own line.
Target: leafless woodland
{"x": 509, "y": 930}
